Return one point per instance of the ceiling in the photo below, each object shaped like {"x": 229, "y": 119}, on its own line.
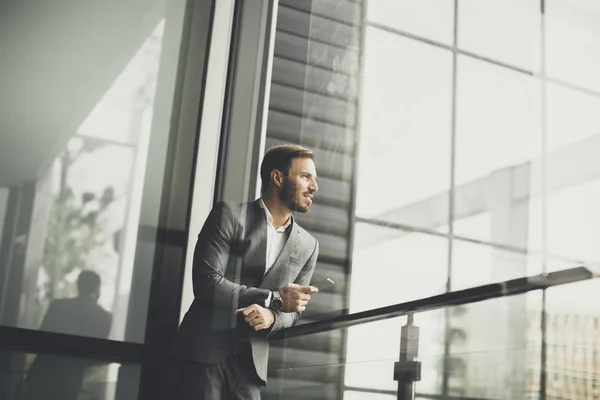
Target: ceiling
{"x": 57, "y": 59}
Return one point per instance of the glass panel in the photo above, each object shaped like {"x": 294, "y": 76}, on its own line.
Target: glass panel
{"x": 495, "y": 348}
{"x": 497, "y": 119}
{"x": 572, "y": 36}
{"x": 573, "y": 222}
{"x": 431, "y": 19}
{"x": 77, "y": 165}
{"x": 372, "y": 366}
{"x": 476, "y": 264}
{"x": 372, "y": 350}
{"x": 504, "y": 30}
{"x": 504, "y": 227}
{"x": 494, "y": 352}
{"x": 573, "y": 175}
{"x": 392, "y": 266}
{"x": 29, "y": 376}
{"x": 572, "y": 318}
{"x": 572, "y": 329}
{"x": 571, "y": 119}
{"x": 405, "y": 115}
{"x": 498, "y": 145}
{"x": 306, "y": 370}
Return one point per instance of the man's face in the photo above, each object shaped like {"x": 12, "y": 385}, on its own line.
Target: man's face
{"x": 300, "y": 185}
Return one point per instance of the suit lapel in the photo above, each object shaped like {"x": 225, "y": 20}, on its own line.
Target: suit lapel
{"x": 256, "y": 228}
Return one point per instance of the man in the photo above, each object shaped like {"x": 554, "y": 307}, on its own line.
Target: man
{"x": 252, "y": 265}
{"x": 60, "y": 377}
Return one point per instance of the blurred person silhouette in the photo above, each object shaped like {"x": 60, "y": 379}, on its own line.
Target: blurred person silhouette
{"x": 53, "y": 377}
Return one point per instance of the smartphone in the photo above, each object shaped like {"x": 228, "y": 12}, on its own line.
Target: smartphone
{"x": 323, "y": 284}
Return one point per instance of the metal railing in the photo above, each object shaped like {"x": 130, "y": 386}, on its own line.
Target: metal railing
{"x": 407, "y": 371}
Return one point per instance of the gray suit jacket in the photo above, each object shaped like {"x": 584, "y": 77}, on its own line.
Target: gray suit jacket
{"x": 228, "y": 273}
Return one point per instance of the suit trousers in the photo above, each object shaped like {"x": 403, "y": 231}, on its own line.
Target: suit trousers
{"x": 233, "y": 378}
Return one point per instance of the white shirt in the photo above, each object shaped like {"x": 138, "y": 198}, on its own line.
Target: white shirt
{"x": 275, "y": 241}
{"x": 275, "y": 237}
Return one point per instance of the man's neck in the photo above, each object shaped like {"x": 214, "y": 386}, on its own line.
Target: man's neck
{"x": 88, "y": 297}
{"x": 279, "y": 212}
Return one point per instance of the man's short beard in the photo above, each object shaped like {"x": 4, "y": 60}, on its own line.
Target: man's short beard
{"x": 287, "y": 194}
{"x": 298, "y": 208}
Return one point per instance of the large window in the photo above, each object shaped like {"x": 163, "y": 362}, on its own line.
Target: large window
{"x": 90, "y": 110}
{"x": 475, "y": 166}
{"x": 76, "y": 166}
{"x": 404, "y": 157}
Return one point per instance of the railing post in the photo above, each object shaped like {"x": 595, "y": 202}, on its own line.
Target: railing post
{"x": 407, "y": 370}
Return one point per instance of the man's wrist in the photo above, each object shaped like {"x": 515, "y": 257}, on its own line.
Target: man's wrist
{"x": 272, "y": 318}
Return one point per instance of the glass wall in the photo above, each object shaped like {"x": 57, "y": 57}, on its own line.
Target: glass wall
{"x": 455, "y": 146}
{"x": 80, "y": 106}
{"x": 86, "y": 146}
{"x": 475, "y": 166}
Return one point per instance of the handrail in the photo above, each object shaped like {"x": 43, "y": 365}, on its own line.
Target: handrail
{"x": 22, "y": 339}
{"x": 34, "y": 341}
{"x": 455, "y": 298}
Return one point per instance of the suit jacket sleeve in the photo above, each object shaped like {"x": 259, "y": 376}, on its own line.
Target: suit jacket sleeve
{"x": 286, "y": 320}
{"x": 211, "y": 257}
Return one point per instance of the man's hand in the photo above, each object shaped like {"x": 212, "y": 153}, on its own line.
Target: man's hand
{"x": 257, "y": 317}
{"x": 296, "y": 297}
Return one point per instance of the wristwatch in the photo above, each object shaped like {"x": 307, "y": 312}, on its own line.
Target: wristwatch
{"x": 276, "y": 302}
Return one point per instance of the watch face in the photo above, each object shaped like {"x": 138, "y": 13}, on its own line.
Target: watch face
{"x": 277, "y": 303}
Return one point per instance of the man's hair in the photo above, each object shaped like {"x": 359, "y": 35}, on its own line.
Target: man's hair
{"x": 280, "y": 158}
{"x": 88, "y": 282}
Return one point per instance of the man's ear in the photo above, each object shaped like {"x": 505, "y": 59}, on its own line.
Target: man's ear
{"x": 277, "y": 178}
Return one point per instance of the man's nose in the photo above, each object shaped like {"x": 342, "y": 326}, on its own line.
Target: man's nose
{"x": 314, "y": 187}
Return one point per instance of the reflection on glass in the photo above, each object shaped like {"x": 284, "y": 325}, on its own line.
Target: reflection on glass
{"x": 572, "y": 36}
{"x": 124, "y": 112}
{"x": 84, "y": 134}
{"x": 571, "y": 119}
{"x": 87, "y": 199}
{"x": 507, "y": 31}
{"x": 46, "y": 376}
{"x": 404, "y": 152}
{"x": 573, "y": 329}
{"x": 317, "y": 373}
{"x": 498, "y": 147}
{"x": 495, "y": 348}
{"x": 391, "y": 266}
{"x": 527, "y": 211}
{"x": 573, "y": 226}
{"x": 79, "y": 315}
{"x": 431, "y": 19}
{"x": 497, "y": 119}
{"x": 476, "y": 264}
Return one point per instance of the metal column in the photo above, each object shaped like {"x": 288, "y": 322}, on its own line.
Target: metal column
{"x": 407, "y": 370}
